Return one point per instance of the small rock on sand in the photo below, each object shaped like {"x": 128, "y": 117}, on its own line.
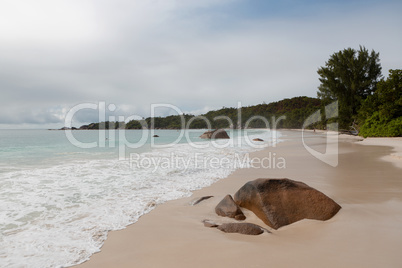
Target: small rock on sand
{"x": 201, "y": 199}
{"x": 228, "y": 208}
{"x": 241, "y": 228}
{"x": 210, "y": 224}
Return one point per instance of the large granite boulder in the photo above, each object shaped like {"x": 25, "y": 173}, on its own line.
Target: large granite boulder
{"x": 279, "y": 202}
{"x": 215, "y": 134}
{"x": 241, "y": 228}
{"x": 228, "y": 208}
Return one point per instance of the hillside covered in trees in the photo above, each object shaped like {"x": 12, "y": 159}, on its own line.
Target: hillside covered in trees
{"x": 367, "y": 102}
{"x": 287, "y": 113}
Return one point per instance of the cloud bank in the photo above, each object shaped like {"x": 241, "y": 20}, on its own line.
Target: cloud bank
{"x": 197, "y": 55}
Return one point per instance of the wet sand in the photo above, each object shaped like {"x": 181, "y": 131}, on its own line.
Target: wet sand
{"x": 366, "y": 232}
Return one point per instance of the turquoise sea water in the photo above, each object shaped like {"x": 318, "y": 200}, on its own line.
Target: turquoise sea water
{"x": 58, "y": 201}
{"x": 24, "y": 148}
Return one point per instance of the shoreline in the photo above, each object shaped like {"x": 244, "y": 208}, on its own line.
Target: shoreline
{"x": 395, "y": 156}
{"x": 368, "y": 189}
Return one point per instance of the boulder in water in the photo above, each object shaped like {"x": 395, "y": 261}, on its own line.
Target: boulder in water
{"x": 215, "y": 134}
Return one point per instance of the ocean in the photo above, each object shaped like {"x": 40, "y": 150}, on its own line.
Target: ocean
{"x": 60, "y": 194}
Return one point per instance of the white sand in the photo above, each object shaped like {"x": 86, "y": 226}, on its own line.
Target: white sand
{"x": 395, "y": 156}
{"x": 367, "y": 231}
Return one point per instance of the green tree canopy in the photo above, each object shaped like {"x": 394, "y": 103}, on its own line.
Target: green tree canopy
{"x": 382, "y": 112}
{"x": 295, "y": 109}
{"x": 349, "y": 76}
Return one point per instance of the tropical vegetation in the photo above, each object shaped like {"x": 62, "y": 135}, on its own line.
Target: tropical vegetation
{"x": 366, "y": 102}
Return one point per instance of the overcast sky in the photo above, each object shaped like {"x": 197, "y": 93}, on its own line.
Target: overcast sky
{"x": 195, "y": 54}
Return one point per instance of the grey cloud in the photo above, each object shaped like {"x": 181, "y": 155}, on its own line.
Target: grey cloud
{"x": 154, "y": 53}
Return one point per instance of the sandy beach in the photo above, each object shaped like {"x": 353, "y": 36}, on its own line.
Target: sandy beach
{"x": 366, "y": 232}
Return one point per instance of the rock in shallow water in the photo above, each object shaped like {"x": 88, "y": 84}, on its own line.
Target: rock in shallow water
{"x": 279, "y": 202}
{"x": 215, "y": 134}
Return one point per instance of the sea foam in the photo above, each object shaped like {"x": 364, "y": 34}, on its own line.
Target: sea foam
{"x": 60, "y": 215}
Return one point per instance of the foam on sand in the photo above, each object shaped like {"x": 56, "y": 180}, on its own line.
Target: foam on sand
{"x": 60, "y": 215}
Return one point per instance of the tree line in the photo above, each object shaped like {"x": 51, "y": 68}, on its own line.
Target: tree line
{"x": 367, "y": 101}
{"x": 287, "y": 113}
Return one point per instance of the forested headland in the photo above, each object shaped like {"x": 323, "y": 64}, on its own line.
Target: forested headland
{"x": 368, "y": 103}
{"x": 287, "y": 113}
